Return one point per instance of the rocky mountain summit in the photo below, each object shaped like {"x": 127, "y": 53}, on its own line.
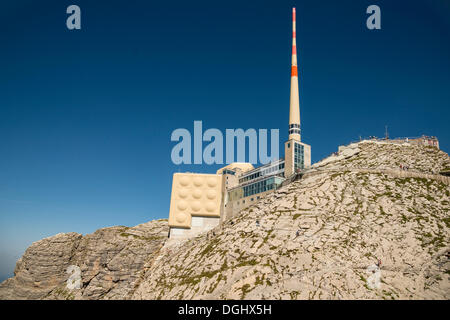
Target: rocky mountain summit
{"x": 374, "y": 154}
{"x": 355, "y": 226}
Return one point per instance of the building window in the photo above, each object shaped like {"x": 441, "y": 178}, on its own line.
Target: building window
{"x": 299, "y": 161}
{"x": 259, "y": 187}
{"x": 226, "y": 171}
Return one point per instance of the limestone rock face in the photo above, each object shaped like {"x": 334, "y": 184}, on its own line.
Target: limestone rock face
{"x": 41, "y": 268}
{"x": 109, "y": 260}
{"x": 320, "y": 237}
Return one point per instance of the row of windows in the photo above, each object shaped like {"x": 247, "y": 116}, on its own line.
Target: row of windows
{"x": 294, "y": 125}
{"x": 299, "y": 165}
{"x": 262, "y": 173}
{"x": 259, "y": 187}
{"x": 251, "y": 199}
{"x": 294, "y": 131}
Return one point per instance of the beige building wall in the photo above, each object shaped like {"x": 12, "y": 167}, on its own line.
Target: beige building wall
{"x": 194, "y": 195}
{"x": 307, "y": 154}
{"x": 230, "y": 181}
{"x": 288, "y": 158}
{"x": 236, "y": 203}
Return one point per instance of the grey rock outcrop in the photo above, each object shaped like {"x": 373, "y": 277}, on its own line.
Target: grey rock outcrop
{"x": 41, "y": 268}
{"x": 109, "y": 259}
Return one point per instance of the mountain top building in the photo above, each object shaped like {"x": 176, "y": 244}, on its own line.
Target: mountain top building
{"x": 199, "y": 202}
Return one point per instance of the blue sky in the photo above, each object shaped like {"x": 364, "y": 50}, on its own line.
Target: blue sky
{"x": 86, "y": 116}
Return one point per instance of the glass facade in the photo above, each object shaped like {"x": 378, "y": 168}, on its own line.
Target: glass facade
{"x": 264, "y": 171}
{"x": 261, "y": 186}
{"x": 299, "y": 156}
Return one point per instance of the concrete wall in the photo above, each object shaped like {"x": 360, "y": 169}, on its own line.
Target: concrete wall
{"x": 288, "y": 158}
{"x": 198, "y": 225}
{"x": 233, "y": 206}
{"x": 307, "y": 154}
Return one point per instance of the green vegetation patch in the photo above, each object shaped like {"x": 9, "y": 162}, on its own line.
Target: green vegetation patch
{"x": 245, "y": 289}
{"x": 151, "y": 238}
{"x": 210, "y": 247}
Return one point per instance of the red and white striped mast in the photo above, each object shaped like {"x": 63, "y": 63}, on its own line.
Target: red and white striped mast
{"x": 294, "y": 108}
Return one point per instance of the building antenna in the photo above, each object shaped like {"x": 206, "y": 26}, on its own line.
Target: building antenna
{"x": 294, "y": 104}
{"x": 386, "y": 133}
